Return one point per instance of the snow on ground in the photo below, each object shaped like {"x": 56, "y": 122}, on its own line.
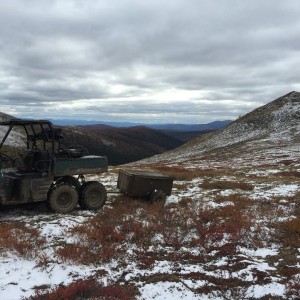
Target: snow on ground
{"x": 282, "y": 190}
{"x": 168, "y": 291}
{"x": 19, "y": 276}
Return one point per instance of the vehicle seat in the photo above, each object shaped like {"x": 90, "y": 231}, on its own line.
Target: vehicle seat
{"x": 41, "y": 161}
{"x": 37, "y": 161}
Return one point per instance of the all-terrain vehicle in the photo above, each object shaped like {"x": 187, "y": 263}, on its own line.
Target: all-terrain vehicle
{"x": 43, "y": 170}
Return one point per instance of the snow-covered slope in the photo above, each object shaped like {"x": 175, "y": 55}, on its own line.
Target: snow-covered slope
{"x": 5, "y": 117}
{"x": 16, "y": 138}
{"x": 271, "y": 127}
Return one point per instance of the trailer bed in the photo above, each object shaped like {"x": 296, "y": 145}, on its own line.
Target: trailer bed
{"x": 139, "y": 183}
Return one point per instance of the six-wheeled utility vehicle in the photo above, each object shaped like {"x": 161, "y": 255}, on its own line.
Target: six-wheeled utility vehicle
{"x": 45, "y": 171}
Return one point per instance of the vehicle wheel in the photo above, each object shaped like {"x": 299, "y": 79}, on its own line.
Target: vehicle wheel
{"x": 63, "y": 198}
{"x": 92, "y": 195}
{"x": 157, "y": 196}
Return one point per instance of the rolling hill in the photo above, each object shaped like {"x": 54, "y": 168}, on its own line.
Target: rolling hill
{"x": 268, "y": 131}
{"x": 120, "y": 145}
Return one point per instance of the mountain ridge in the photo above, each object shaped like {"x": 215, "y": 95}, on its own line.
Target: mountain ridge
{"x": 168, "y": 126}
{"x": 275, "y": 124}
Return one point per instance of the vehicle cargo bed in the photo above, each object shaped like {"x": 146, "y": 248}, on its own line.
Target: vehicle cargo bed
{"x": 141, "y": 183}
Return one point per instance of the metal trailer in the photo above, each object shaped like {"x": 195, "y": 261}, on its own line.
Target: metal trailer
{"x": 151, "y": 185}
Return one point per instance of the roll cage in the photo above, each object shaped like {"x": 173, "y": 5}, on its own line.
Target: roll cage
{"x": 40, "y": 134}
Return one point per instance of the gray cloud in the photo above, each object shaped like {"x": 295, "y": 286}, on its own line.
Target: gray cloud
{"x": 192, "y": 61}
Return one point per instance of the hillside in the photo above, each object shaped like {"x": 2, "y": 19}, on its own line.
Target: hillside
{"x": 120, "y": 145}
{"x": 184, "y": 136}
{"x": 16, "y": 138}
{"x": 5, "y": 117}
{"x": 268, "y": 130}
{"x": 192, "y": 127}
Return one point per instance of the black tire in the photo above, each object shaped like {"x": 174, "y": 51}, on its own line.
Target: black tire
{"x": 92, "y": 195}
{"x": 157, "y": 196}
{"x": 63, "y": 199}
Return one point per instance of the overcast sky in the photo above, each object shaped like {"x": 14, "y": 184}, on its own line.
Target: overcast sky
{"x": 179, "y": 61}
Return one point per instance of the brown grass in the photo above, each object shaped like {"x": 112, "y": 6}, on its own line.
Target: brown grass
{"x": 224, "y": 185}
{"x": 182, "y": 173}
{"x": 289, "y": 174}
{"x": 16, "y": 237}
{"x": 292, "y": 289}
{"x": 287, "y": 162}
{"x": 289, "y": 232}
{"x": 240, "y": 202}
{"x": 107, "y": 235}
{"x": 87, "y": 289}
{"x": 171, "y": 231}
{"x": 177, "y": 172}
{"x": 224, "y": 228}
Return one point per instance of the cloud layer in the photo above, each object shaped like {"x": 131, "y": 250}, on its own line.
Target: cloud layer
{"x": 147, "y": 61}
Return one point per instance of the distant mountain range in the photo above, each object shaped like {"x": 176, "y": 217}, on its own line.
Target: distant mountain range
{"x": 176, "y": 127}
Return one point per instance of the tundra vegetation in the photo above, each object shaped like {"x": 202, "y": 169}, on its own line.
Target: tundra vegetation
{"x": 224, "y": 233}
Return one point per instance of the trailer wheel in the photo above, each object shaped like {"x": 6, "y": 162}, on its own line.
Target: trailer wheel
{"x": 63, "y": 198}
{"x": 92, "y": 195}
{"x": 157, "y": 196}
